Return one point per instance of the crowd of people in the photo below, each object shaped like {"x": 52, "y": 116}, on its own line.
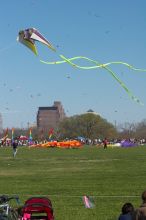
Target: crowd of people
{"x": 128, "y": 211}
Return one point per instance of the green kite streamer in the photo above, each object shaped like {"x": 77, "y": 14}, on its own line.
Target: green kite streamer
{"x": 29, "y": 36}
{"x": 98, "y": 65}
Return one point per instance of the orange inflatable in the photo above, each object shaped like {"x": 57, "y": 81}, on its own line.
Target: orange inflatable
{"x": 60, "y": 144}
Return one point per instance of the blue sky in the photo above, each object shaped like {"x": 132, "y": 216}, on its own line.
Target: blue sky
{"x": 102, "y": 30}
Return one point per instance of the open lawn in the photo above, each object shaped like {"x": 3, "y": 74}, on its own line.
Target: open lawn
{"x": 112, "y": 177}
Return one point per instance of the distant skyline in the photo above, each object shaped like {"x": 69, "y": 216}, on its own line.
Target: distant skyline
{"x": 98, "y": 29}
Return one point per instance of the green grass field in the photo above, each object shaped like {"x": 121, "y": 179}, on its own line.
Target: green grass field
{"x": 112, "y": 177}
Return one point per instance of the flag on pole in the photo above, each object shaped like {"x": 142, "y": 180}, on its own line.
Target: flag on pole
{"x": 51, "y": 131}
{"x": 5, "y": 136}
{"x": 30, "y": 134}
{"x": 12, "y": 134}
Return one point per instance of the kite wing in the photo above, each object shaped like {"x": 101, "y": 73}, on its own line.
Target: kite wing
{"x": 24, "y": 37}
{"x": 29, "y": 36}
{"x": 39, "y": 37}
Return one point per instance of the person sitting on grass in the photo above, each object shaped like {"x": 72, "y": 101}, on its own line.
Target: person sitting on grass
{"x": 140, "y": 213}
{"x": 127, "y": 212}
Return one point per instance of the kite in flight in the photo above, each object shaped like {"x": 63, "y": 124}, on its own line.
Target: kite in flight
{"x": 29, "y": 36}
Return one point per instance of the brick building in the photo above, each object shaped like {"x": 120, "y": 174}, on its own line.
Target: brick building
{"x": 49, "y": 117}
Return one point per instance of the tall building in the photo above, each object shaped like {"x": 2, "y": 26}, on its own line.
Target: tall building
{"x": 49, "y": 117}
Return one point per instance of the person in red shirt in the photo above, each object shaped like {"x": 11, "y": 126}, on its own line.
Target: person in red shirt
{"x": 105, "y": 142}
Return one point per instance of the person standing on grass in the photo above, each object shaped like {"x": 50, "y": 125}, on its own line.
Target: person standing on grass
{"x": 105, "y": 142}
{"x": 127, "y": 212}
{"x": 140, "y": 213}
{"x": 14, "y": 145}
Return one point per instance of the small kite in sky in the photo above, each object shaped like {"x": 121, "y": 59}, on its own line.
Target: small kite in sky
{"x": 29, "y": 36}
{"x": 68, "y": 76}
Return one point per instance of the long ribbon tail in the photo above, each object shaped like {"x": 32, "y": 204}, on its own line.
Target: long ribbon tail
{"x": 113, "y": 75}
{"x": 124, "y": 86}
{"x": 125, "y": 64}
{"x": 98, "y": 65}
{"x": 68, "y": 60}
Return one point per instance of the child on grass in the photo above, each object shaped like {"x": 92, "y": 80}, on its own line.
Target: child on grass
{"x": 127, "y": 212}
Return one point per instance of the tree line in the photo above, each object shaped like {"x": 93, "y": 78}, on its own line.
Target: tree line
{"x": 88, "y": 125}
